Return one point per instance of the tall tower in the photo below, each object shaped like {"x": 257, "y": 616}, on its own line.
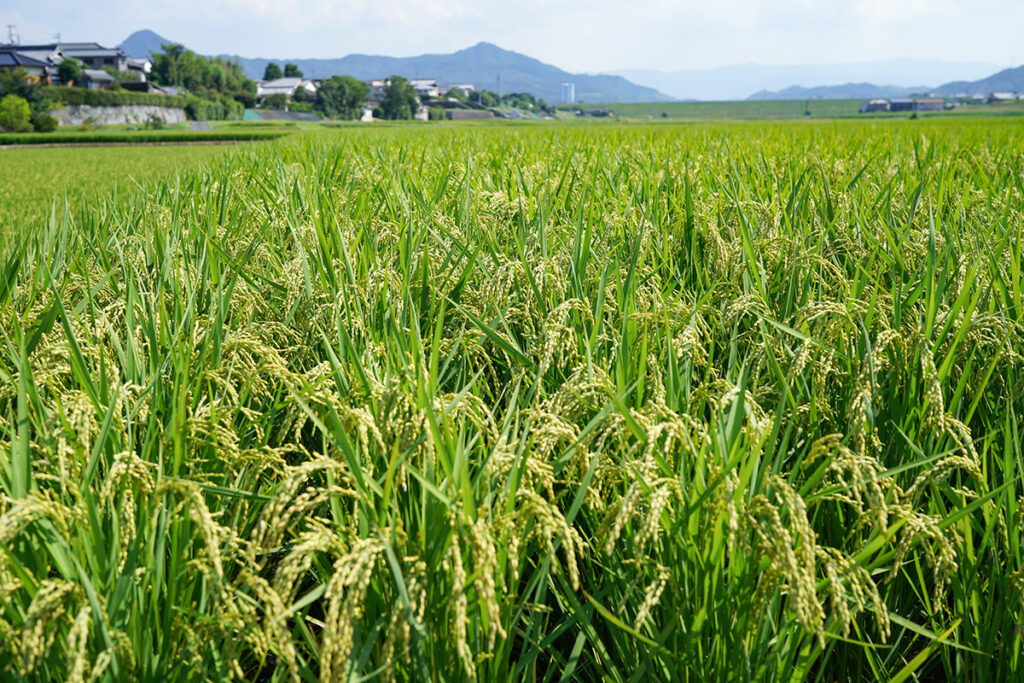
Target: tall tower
{"x": 569, "y": 93}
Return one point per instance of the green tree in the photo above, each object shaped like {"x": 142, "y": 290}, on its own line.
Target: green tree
{"x": 272, "y": 72}
{"x": 17, "y": 82}
{"x": 15, "y": 116}
{"x": 300, "y": 94}
{"x": 400, "y": 100}
{"x": 342, "y": 97}
{"x": 455, "y": 93}
{"x": 292, "y": 71}
{"x": 69, "y": 71}
{"x": 277, "y": 101}
{"x": 484, "y": 97}
{"x": 218, "y": 81}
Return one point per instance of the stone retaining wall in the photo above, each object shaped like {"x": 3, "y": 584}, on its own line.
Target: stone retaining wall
{"x": 76, "y": 114}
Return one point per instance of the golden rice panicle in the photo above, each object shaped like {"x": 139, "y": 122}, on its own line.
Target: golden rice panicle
{"x": 345, "y": 596}
{"x": 791, "y": 550}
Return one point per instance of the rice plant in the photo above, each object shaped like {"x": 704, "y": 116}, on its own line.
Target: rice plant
{"x": 617, "y": 402}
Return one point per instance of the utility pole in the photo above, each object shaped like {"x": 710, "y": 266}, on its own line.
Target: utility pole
{"x": 499, "y": 85}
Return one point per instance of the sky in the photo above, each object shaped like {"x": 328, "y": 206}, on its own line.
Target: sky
{"x": 585, "y": 36}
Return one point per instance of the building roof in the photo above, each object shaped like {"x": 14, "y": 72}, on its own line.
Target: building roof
{"x": 932, "y": 100}
{"x": 28, "y": 55}
{"x": 92, "y": 53}
{"x": 287, "y": 82}
{"x": 13, "y": 59}
{"x": 81, "y": 46}
{"x": 97, "y": 75}
{"x": 901, "y": 100}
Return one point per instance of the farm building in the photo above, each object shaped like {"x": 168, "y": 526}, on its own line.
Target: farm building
{"x": 930, "y": 104}
{"x": 874, "y": 106}
{"x": 901, "y": 104}
{"x": 1002, "y": 97}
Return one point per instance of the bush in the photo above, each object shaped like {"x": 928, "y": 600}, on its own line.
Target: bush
{"x": 15, "y": 116}
{"x": 199, "y": 109}
{"x": 109, "y": 98}
{"x": 44, "y": 123}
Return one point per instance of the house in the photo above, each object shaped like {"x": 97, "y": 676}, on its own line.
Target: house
{"x": 377, "y": 90}
{"x": 901, "y": 104}
{"x": 465, "y": 88}
{"x": 95, "y": 56}
{"x": 426, "y": 88}
{"x": 874, "y": 106}
{"x": 140, "y": 66}
{"x": 38, "y": 61}
{"x": 96, "y": 79}
{"x": 41, "y": 61}
{"x": 284, "y": 86}
{"x": 930, "y": 104}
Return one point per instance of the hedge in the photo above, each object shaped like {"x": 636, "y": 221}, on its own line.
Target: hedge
{"x": 139, "y": 137}
{"x": 110, "y": 98}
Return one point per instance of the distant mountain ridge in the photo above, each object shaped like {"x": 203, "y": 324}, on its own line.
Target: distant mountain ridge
{"x": 838, "y": 92}
{"x": 1007, "y": 80}
{"x": 480, "y": 65}
{"x": 738, "y": 81}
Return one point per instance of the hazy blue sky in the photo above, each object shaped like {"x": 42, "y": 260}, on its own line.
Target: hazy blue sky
{"x": 579, "y": 35}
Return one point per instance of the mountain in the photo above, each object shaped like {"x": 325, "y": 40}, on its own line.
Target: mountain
{"x": 739, "y": 81}
{"x": 481, "y": 65}
{"x": 141, "y": 43}
{"x": 838, "y": 92}
{"x": 1007, "y": 80}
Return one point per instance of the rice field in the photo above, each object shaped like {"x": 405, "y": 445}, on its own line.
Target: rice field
{"x": 37, "y": 182}
{"x": 445, "y": 403}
